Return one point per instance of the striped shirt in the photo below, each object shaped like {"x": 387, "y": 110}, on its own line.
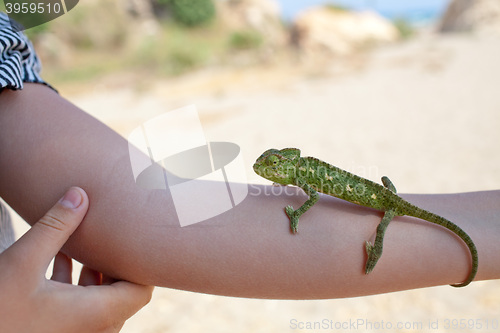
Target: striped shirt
{"x": 18, "y": 63}
{"x": 6, "y": 231}
{"x": 18, "y": 60}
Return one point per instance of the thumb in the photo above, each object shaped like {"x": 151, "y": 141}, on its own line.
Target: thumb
{"x": 44, "y": 240}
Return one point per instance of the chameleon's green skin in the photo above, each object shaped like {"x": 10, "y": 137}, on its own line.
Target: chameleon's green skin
{"x": 287, "y": 167}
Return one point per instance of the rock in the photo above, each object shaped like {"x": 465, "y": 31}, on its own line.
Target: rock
{"x": 262, "y": 16}
{"x": 142, "y": 12}
{"x": 340, "y": 32}
{"x": 480, "y": 16}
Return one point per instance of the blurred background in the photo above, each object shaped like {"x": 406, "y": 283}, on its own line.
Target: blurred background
{"x": 408, "y": 89}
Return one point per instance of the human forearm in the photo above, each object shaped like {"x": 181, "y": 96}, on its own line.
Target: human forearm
{"x": 49, "y": 145}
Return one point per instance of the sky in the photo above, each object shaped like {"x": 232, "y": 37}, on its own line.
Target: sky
{"x": 413, "y": 10}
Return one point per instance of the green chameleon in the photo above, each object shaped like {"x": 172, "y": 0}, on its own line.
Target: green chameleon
{"x": 287, "y": 167}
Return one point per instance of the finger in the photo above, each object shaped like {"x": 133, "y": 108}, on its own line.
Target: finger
{"x": 123, "y": 299}
{"x": 44, "y": 240}
{"x": 63, "y": 267}
{"x": 89, "y": 277}
{"x": 110, "y": 306}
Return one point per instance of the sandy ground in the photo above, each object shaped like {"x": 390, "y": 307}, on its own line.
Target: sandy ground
{"x": 425, "y": 112}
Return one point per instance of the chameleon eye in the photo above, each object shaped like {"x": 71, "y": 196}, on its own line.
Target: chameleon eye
{"x": 272, "y": 160}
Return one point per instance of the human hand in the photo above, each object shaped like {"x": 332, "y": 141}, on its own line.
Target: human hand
{"x": 31, "y": 303}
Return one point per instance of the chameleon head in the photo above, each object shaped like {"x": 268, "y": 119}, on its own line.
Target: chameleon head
{"x": 279, "y": 166}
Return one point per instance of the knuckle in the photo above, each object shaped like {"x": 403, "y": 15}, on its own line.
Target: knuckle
{"x": 53, "y": 222}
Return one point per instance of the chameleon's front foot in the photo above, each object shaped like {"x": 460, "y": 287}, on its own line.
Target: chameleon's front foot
{"x": 374, "y": 255}
{"x": 294, "y": 219}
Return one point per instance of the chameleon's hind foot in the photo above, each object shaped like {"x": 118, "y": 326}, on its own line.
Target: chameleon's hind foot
{"x": 373, "y": 256}
{"x": 294, "y": 219}
{"x": 374, "y": 251}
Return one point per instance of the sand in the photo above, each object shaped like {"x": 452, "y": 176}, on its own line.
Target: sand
{"x": 425, "y": 112}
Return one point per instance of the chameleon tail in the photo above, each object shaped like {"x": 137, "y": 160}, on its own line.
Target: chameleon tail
{"x": 434, "y": 218}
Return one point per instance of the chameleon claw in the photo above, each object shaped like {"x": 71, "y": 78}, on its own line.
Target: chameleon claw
{"x": 294, "y": 220}
{"x": 373, "y": 257}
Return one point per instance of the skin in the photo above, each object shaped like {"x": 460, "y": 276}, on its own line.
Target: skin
{"x": 55, "y": 305}
{"x": 287, "y": 167}
{"x": 131, "y": 233}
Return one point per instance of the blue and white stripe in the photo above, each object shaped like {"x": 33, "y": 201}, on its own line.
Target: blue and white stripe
{"x": 6, "y": 231}
{"x": 18, "y": 60}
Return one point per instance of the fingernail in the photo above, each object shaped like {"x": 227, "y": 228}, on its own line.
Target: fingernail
{"x": 72, "y": 199}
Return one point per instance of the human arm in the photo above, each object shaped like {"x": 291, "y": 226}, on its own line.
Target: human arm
{"x": 55, "y": 305}
{"x": 130, "y": 233}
